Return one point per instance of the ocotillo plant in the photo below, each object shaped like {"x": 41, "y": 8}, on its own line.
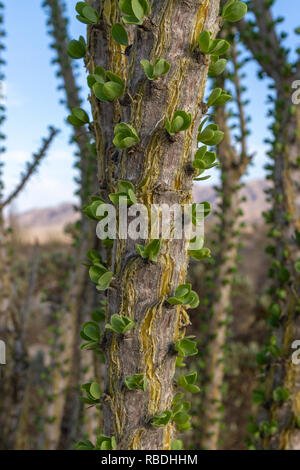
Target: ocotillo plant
{"x": 66, "y": 401}
{"x": 12, "y": 324}
{"x": 147, "y": 83}
{"x": 233, "y": 165}
{"x": 277, "y": 426}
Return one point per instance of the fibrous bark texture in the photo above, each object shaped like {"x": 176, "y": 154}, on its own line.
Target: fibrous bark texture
{"x": 158, "y": 168}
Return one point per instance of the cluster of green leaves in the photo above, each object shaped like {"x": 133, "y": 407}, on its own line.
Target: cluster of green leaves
{"x": 106, "y": 85}
{"x": 184, "y": 295}
{"x": 120, "y": 324}
{"x": 204, "y": 160}
{"x": 259, "y": 396}
{"x": 181, "y": 121}
{"x": 93, "y": 393}
{"x": 186, "y": 347}
{"x": 212, "y": 46}
{"x": 86, "y": 13}
{"x": 274, "y": 314}
{"x": 136, "y": 381}
{"x": 151, "y": 250}
{"x": 157, "y": 70}
{"x": 125, "y": 136}
{"x": 91, "y": 333}
{"x": 218, "y": 97}
{"x": 188, "y": 382}
{"x": 200, "y": 253}
{"x": 77, "y": 49}
{"x": 179, "y": 415}
{"x": 102, "y": 443}
{"x": 90, "y": 209}
{"x": 126, "y": 193}
{"x": 217, "y": 66}
{"x": 281, "y": 394}
{"x": 211, "y": 135}
{"x": 264, "y": 427}
{"x": 78, "y": 118}
{"x": 98, "y": 272}
{"x": 161, "y": 419}
{"x": 134, "y": 10}
{"x": 270, "y": 349}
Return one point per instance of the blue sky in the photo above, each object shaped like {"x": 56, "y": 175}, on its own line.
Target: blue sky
{"x": 33, "y": 103}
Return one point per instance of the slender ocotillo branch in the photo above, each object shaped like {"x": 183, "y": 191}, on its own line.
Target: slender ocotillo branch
{"x": 31, "y": 167}
{"x": 244, "y": 156}
{"x": 86, "y": 163}
{"x": 233, "y": 165}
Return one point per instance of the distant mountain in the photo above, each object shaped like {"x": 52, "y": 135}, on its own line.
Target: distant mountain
{"x": 46, "y": 224}
{"x": 252, "y": 207}
{"x": 49, "y": 223}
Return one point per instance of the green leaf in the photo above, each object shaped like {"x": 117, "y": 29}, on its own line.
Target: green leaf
{"x": 136, "y": 381}
{"x": 98, "y": 90}
{"x": 281, "y": 394}
{"x": 258, "y": 396}
{"x": 95, "y": 390}
{"x": 219, "y": 47}
{"x": 217, "y": 67}
{"x": 148, "y": 68}
{"x": 112, "y": 90}
{"x": 90, "y": 14}
{"x": 214, "y": 96}
{"x": 104, "y": 281}
{"x": 183, "y": 290}
{"x": 79, "y": 7}
{"x": 119, "y": 34}
{"x": 125, "y": 136}
{"x": 177, "y": 445}
{"x": 137, "y": 8}
{"x": 297, "y": 266}
{"x": 161, "y": 67}
{"x": 92, "y": 330}
{"x": 74, "y": 121}
{"x": 125, "y": 7}
{"x": 180, "y": 122}
{"x": 204, "y": 41}
{"x": 234, "y": 11}
{"x": 162, "y": 419}
{"x": 81, "y": 115}
{"x": 177, "y": 124}
{"x": 185, "y": 347}
{"x": 120, "y": 324}
{"x": 76, "y": 49}
{"x": 200, "y": 254}
{"x": 105, "y": 443}
{"x": 84, "y": 445}
{"x": 96, "y": 272}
